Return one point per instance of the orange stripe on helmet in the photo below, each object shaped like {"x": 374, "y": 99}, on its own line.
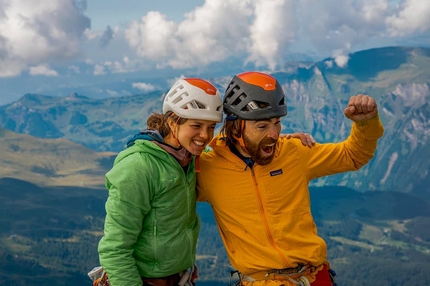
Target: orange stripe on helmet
{"x": 202, "y": 84}
{"x": 267, "y": 82}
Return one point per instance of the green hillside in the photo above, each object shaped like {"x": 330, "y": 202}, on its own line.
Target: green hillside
{"x": 52, "y": 161}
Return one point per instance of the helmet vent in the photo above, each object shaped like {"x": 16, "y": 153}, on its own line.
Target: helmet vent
{"x": 259, "y": 104}
{"x": 179, "y": 98}
{"x": 282, "y": 102}
{"x": 239, "y": 99}
{"x": 194, "y": 105}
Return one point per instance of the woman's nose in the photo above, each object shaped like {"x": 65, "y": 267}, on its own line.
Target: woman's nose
{"x": 204, "y": 134}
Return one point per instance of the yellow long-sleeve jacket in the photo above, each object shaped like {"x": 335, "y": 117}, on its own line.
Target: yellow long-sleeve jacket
{"x": 263, "y": 213}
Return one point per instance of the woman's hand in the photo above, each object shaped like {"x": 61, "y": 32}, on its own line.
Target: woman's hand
{"x": 306, "y": 138}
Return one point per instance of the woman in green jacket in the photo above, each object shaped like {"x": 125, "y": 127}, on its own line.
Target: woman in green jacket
{"x": 151, "y": 224}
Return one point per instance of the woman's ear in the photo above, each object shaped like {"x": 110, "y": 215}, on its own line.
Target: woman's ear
{"x": 171, "y": 123}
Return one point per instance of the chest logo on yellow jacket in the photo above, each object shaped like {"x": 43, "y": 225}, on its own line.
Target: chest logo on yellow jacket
{"x": 276, "y": 172}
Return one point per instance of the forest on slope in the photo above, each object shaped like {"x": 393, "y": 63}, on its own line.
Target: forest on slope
{"x": 49, "y": 236}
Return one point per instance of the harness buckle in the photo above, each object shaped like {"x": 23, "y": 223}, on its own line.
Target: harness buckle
{"x": 238, "y": 281}
{"x": 188, "y": 276}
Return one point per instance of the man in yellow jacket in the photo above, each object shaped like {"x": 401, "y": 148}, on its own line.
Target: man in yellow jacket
{"x": 257, "y": 183}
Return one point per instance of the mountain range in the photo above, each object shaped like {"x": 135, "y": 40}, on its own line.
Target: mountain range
{"x": 55, "y": 151}
{"x": 398, "y": 78}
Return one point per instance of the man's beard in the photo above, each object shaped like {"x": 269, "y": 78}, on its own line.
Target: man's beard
{"x": 253, "y": 150}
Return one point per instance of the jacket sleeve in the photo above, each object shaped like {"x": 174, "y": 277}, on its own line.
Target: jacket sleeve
{"x": 349, "y": 155}
{"x": 126, "y": 207}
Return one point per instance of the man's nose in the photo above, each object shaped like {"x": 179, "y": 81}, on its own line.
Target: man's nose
{"x": 273, "y": 133}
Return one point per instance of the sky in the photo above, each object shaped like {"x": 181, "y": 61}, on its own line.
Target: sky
{"x": 53, "y": 42}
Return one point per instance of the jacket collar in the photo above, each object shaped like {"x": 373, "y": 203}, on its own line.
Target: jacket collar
{"x": 180, "y": 154}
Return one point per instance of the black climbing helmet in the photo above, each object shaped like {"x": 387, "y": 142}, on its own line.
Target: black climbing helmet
{"x": 254, "y": 96}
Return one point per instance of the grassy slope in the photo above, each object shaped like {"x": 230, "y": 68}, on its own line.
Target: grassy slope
{"x": 52, "y": 161}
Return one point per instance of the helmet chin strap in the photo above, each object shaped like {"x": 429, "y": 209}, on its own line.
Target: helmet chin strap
{"x": 177, "y": 129}
{"x": 240, "y": 139}
{"x": 197, "y": 164}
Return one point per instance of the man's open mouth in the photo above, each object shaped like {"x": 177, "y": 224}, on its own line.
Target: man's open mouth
{"x": 268, "y": 150}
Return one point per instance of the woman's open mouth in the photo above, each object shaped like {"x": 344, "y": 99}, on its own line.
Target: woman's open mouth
{"x": 199, "y": 143}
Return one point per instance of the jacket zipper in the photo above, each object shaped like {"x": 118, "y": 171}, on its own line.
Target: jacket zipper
{"x": 188, "y": 232}
{"x": 265, "y": 222}
{"x": 155, "y": 238}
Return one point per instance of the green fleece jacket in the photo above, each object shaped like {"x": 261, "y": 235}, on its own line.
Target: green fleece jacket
{"x": 151, "y": 225}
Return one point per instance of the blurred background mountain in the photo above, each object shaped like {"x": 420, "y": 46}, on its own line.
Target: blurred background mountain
{"x": 55, "y": 151}
{"x": 398, "y": 78}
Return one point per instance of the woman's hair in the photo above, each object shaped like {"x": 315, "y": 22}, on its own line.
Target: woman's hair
{"x": 232, "y": 129}
{"x": 158, "y": 121}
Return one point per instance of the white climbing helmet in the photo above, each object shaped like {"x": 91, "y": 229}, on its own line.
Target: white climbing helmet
{"x": 194, "y": 98}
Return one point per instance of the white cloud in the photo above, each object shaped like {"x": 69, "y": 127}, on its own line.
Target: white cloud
{"x": 153, "y": 37}
{"x": 341, "y": 24}
{"x": 210, "y": 33}
{"x": 172, "y": 81}
{"x": 35, "y": 32}
{"x": 329, "y": 64}
{"x": 213, "y": 32}
{"x": 99, "y": 70}
{"x": 74, "y": 68}
{"x": 42, "y": 70}
{"x": 111, "y": 92}
{"x": 412, "y": 16}
{"x": 90, "y": 35}
{"x": 274, "y": 26}
{"x": 143, "y": 86}
{"x": 261, "y": 32}
{"x": 257, "y": 30}
{"x": 341, "y": 61}
{"x": 119, "y": 66}
{"x": 340, "y": 58}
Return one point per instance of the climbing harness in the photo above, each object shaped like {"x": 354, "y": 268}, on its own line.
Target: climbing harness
{"x": 302, "y": 281}
{"x": 188, "y": 276}
{"x": 301, "y": 268}
{"x": 295, "y": 275}
{"x": 99, "y": 277}
{"x": 238, "y": 281}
